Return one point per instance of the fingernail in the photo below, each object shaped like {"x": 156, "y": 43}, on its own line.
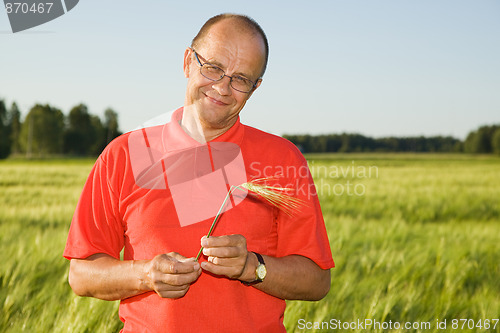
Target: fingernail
{"x": 204, "y": 241}
{"x": 196, "y": 266}
{"x": 204, "y": 264}
{"x": 205, "y": 252}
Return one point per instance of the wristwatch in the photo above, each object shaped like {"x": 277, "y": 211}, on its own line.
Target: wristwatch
{"x": 260, "y": 271}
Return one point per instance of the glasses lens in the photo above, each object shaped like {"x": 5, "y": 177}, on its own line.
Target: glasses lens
{"x": 241, "y": 84}
{"x": 212, "y": 72}
{"x": 215, "y": 73}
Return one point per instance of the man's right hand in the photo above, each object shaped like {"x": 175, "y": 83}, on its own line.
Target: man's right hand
{"x": 104, "y": 277}
{"x": 170, "y": 275}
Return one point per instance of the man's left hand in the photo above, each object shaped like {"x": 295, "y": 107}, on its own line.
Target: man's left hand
{"x": 227, "y": 255}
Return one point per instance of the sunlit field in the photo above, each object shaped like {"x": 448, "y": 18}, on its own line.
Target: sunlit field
{"x": 415, "y": 239}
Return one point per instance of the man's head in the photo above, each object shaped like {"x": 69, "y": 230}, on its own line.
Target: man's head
{"x": 238, "y": 47}
{"x": 241, "y": 21}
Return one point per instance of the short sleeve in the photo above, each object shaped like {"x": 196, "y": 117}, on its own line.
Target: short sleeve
{"x": 304, "y": 232}
{"x": 96, "y": 226}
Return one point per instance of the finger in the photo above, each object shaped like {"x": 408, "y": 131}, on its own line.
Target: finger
{"x": 172, "y": 293}
{"x": 178, "y": 279}
{"x": 225, "y": 252}
{"x": 170, "y": 265}
{"x": 228, "y": 262}
{"x": 223, "y": 241}
{"x": 173, "y": 280}
{"x": 232, "y": 272}
{"x": 162, "y": 287}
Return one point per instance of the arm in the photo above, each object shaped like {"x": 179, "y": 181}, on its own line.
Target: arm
{"x": 290, "y": 277}
{"x": 107, "y": 278}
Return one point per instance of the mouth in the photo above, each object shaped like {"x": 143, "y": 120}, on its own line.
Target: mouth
{"x": 215, "y": 101}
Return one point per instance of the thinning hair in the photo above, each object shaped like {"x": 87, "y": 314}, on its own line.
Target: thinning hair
{"x": 244, "y": 21}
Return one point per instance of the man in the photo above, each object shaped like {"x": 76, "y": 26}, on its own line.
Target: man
{"x": 154, "y": 193}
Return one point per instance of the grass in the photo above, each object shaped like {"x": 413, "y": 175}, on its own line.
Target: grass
{"x": 414, "y": 238}
{"x": 420, "y": 244}
{"x": 38, "y": 199}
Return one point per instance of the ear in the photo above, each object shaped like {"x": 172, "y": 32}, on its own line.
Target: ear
{"x": 187, "y": 61}
{"x": 259, "y": 81}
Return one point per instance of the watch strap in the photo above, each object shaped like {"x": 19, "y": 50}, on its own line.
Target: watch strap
{"x": 261, "y": 262}
{"x": 259, "y": 258}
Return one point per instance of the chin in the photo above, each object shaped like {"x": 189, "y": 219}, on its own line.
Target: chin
{"x": 215, "y": 123}
{"x": 214, "y": 114}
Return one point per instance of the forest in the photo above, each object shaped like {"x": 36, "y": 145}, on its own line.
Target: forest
{"x": 484, "y": 140}
{"x": 47, "y": 131}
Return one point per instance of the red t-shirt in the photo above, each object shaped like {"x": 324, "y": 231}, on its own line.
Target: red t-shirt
{"x": 157, "y": 190}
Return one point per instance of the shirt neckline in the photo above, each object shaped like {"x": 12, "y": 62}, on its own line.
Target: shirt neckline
{"x": 175, "y": 138}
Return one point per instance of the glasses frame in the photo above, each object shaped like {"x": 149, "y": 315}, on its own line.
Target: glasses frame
{"x": 196, "y": 55}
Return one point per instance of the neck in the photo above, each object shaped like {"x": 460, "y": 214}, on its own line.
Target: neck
{"x": 198, "y": 130}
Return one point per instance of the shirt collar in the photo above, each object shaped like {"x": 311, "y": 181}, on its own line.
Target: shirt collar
{"x": 174, "y": 138}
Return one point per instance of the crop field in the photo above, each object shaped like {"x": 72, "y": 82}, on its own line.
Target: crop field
{"x": 415, "y": 239}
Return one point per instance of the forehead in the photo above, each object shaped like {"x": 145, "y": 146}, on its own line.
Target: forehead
{"x": 234, "y": 47}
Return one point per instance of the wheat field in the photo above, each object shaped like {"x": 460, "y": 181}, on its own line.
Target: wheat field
{"x": 415, "y": 239}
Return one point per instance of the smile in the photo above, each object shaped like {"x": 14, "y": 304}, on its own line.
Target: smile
{"x": 215, "y": 101}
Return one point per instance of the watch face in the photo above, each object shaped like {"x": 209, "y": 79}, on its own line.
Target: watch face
{"x": 261, "y": 272}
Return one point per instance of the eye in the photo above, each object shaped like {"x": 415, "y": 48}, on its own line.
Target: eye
{"x": 212, "y": 69}
{"x": 241, "y": 80}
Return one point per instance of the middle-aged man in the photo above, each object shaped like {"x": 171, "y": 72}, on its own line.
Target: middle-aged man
{"x": 154, "y": 192}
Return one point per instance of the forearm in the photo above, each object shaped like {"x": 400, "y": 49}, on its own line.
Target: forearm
{"x": 291, "y": 277}
{"x": 104, "y": 277}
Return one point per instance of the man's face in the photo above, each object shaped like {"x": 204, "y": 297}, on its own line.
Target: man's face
{"x": 216, "y": 104}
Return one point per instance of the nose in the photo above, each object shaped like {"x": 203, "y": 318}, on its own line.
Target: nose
{"x": 223, "y": 86}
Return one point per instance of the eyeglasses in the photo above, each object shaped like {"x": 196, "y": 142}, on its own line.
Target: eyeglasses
{"x": 216, "y": 73}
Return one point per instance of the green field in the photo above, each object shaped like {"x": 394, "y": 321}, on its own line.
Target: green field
{"x": 415, "y": 238}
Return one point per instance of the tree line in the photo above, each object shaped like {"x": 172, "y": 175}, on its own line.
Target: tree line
{"x": 485, "y": 140}
{"x": 46, "y": 131}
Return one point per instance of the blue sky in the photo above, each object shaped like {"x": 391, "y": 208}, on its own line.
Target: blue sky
{"x": 375, "y": 67}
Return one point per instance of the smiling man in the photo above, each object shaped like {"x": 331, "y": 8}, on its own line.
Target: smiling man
{"x": 153, "y": 193}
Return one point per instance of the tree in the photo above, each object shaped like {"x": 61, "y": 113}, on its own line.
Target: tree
{"x": 319, "y": 144}
{"x": 481, "y": 140}
{"x": 15, "y": 128}
{"x": 99, "y": 133}
{"x": 468, "y": 143}
{"x": 111, "y": 125}
{"x": 495, "y": 141}
{"x": 333, "y": 143}
{"x": 79, "y": 134}
{"x": 4, "y": 131}
{"x": 42, "y": 131}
